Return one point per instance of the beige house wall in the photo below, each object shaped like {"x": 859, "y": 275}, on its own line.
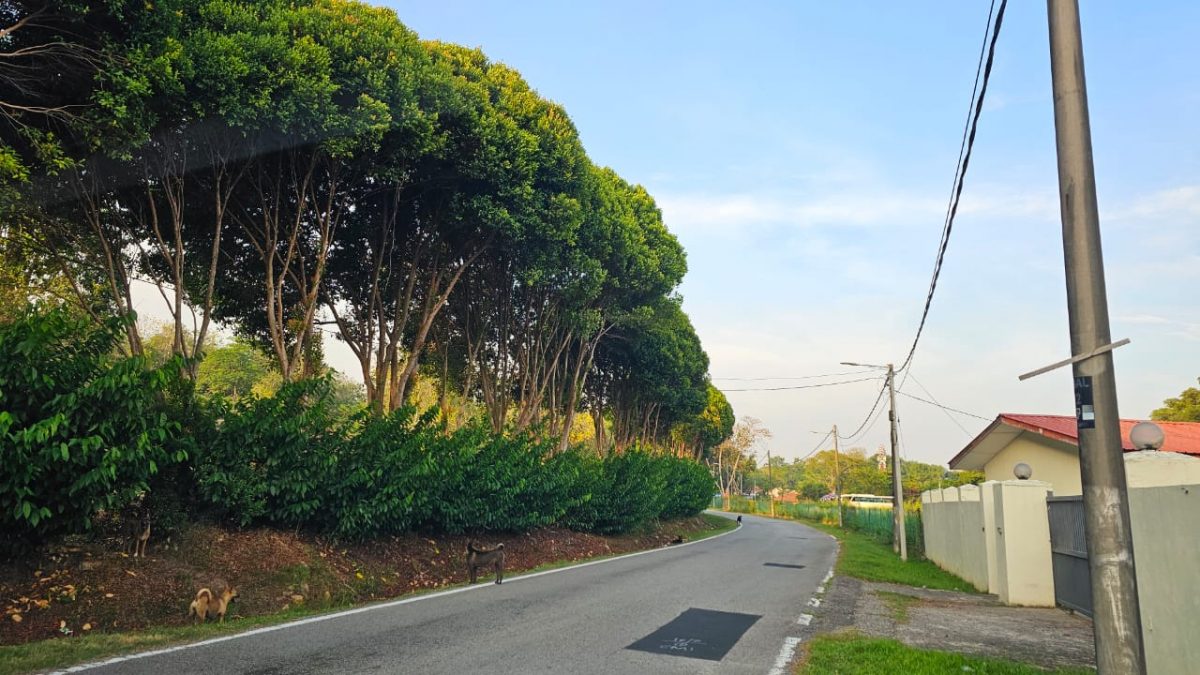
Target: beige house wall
{"x": 1052, "y": 461}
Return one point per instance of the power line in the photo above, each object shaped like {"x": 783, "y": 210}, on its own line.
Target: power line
{"x": 943, "y": 407}
{"x": 960, "y": 171}
{"x": 804, "y": 386}
{"x": 814, "y": 450}
{"x": 934, "y": 400}
{"x": 802, "y": 377}
{"x": 857, "y": 432}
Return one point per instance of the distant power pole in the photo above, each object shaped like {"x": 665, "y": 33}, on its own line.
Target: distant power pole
{"x": 1117, "y": 621}
{"x": 837, "y": 475}
{"x": 899, "y": 536}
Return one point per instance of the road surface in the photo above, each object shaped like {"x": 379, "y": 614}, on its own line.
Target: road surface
{"x": 729, "y": 604}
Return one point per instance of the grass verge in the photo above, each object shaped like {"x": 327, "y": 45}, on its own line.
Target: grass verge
{"x": 46, "y": 654}
{"x": 864, "y": 557}
{"x": 853, "y": 654}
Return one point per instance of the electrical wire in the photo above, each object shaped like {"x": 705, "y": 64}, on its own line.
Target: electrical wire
{"x": 814, "y": 450}
{"x": 802, "y": 377}
{"x": 804, "y": 386}
{"x": 960, "y": 172}
{"x": 855, "y": 434}
{"x": 944, "y": 407}
{"x": 934, "y": 400}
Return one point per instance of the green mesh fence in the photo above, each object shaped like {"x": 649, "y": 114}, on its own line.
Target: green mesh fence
{"x": 874, "y": 522}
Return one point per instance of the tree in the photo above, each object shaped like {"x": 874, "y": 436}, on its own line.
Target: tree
{"x": 738, "y": 451}
{"x": 1183, "y": 408}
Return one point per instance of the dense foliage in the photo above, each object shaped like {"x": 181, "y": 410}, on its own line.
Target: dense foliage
{"x": 1182, "y": 408}
{"x": 80, "y": 431}
{"x": 292, "y": 168}
{"x": 288, "y": 169}
{"x": 284, "y": 461}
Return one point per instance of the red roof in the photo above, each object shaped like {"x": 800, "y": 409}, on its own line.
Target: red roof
{"x": 1183, "y": 437}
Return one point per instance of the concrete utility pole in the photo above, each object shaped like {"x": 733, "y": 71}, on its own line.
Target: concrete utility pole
{"x": 837, "y": 475}
{"x": 1117, "y": 620}
{"x": 899, "y": 534}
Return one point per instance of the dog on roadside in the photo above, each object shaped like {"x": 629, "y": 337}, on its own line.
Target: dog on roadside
{"x": 207, "y": 604}
{"x": 739, "y": 520}
{"x": 137, "y": 532}
{"x": 483, "y": 557}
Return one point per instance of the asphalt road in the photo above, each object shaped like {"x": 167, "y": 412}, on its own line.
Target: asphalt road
{"x": 723, "y": 605}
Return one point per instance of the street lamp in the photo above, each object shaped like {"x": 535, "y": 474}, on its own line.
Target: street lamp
{"x": 899, "y": 536}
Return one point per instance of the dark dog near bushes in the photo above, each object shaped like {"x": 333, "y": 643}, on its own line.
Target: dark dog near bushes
{"x": 482, "y": 557}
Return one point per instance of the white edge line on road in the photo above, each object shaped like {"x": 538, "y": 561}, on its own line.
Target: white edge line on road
{"x": 804, "y": 619}
{"x": 370, "y": 608}
{"x": 814, "y": 602}
{"x": 785, "y": 655}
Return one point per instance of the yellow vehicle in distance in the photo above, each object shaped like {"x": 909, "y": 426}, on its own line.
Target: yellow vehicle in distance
{"x": 867, "y": 501}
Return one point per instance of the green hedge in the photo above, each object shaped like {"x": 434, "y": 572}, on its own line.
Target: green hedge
{"x": 288, "y": 461}
{"x": 81, "y": 431}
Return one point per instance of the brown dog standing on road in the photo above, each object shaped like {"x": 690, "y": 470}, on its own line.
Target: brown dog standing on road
{"x": 482, "y": 557}
{"x": 208, "y": 605}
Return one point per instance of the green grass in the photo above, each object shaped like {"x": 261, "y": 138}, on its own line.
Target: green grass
{"x": 898, "y": 603}
{"x": 65, "y": 652}
{"x": 852, "y": 654}
{"x": 864, "y": 557}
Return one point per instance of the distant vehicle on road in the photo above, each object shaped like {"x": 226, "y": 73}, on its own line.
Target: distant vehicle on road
{"x": 867, "y": 501}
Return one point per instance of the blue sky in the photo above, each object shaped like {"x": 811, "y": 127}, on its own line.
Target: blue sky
{"x": 803, "y": 152}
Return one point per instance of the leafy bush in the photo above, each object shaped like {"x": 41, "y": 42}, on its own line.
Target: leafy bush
{"x": 625, "y": 492}
{"x": 80, "y": 431}
{"x": 272, "y": 459}
{"x": 688, "y": 490}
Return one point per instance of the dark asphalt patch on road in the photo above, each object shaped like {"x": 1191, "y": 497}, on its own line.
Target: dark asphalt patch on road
{"x": 698, "y": 634}
{"x": 795, "y": 567}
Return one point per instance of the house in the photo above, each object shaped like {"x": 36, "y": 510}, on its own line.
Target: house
{"x": 787, "y": 496}
{"x": 1049, "y": 444}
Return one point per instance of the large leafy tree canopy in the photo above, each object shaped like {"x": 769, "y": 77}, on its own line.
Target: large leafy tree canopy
{"x": 1183, "y": 408}
{"x": 298, "y": 170}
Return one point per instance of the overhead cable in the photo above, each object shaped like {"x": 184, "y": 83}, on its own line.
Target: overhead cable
{"x": 960, "y": 171}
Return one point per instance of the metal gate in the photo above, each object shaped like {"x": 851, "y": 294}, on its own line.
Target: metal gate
{"x": 1072, "y": 580}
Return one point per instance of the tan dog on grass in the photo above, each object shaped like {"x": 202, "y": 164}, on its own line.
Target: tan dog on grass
{"x": 208, "y": 605}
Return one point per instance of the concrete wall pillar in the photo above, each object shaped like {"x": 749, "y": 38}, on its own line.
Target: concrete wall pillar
{"x": 988, "y": 494}
{"x": 1023, "y": 565}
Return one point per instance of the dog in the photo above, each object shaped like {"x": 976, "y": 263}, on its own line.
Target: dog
{"x": 678, "y": 539}
{"x": 739, "y": 520}
{"x": 208, "y": 605}
{"x": 482, "y": 557}
{"x": 137, "y": 532}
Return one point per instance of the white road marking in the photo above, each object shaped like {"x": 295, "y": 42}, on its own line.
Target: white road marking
{"x": 785, "y": 655}
{"x": 804, "y": 619}
{"x": 821, "y": 589}
{"x": 814, "y": 602}
{"x": 370, "y": 608}
{"x": 828, "y": 576}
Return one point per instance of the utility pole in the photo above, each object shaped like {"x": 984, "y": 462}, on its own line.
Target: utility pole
{"x": 837, "y": 475}
{"x": 899, "y": 535}
{"x": 1117, "y": 621}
